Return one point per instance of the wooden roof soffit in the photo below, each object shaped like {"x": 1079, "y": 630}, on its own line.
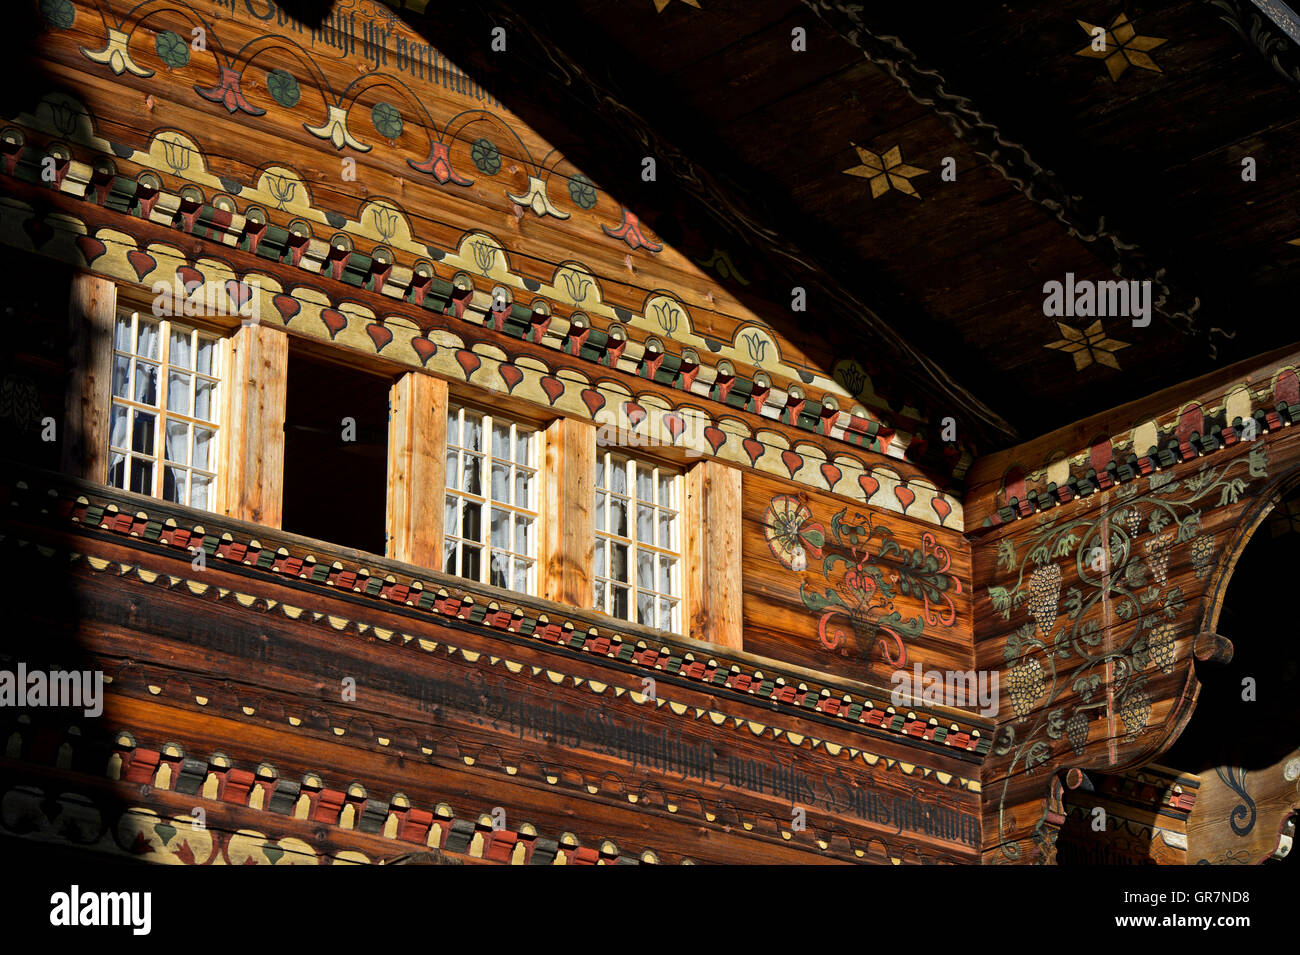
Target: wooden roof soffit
{"x": 1085, "y": 221}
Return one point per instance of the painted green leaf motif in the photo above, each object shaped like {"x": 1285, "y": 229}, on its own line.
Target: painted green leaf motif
{"x": 1038, "y": 754}
{"x": 1006, "y": 554}
{"x": 1085, "y": 686}
{"x": 486, "y": 157}
{"x": 172, "y": 50}
{"x": 1231, "y": 492}
{"x": 1259, "y": 462}
{"x": 1001, "y": 601}
{"x": 814, "y": 537}
{"x": 1157, "y": 522}
{"x": 58, "y": 13}
{"x": 582, "y": 192}
{"x": 387, "y": 120}
{"x": 1159, "y": 479}
{"x": 1065, "y": 545}
{"x": 817, "y": 603}
{"x": 1090, "y": 634}
{"x": 283, "y": 88}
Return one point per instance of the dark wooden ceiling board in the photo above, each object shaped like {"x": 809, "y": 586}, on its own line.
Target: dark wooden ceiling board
{"x": 1093, "y": 129}
{"x": 672, "y": 39}
{"x": 760, "y": 69}
{"x": 1111, "y": 149}
{"x": 800, "y": 131}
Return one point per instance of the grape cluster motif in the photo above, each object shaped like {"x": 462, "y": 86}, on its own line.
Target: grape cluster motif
{"x": 1044, "y": 596}
{"x": 1027, "y": 685}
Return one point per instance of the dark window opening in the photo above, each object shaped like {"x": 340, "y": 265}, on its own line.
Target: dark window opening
{"x": 336, "y": 454}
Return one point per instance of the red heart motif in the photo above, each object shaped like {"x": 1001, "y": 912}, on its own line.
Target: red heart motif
{"x": 715, "y": 437}
{"x": 334, "y": 320}
{"x": 792, "y": 461}
{"x": 553, "y": 388}
{"x": 675, "y": 425}
{"x": 511, "y": 376}
{"x": 594, "y": 401}
{"x": 869, "y": 485}
{"x": 287, "y": 306}
{"x": 635, "y": 413}
{"x": 38, "y": 230}
{"x": 91, "y": 249}
{"x": 142, "y": 262}
{"x": 468, "y": 361}
{"x": 905, "y": 496}
{"x": 831, "y": 474}
{"x": 754, "y": 449}
{"x": 189, "y": 277}
{"x": 239, "y": 293}
{"x": 380, "y": 335}
{"x": 941, "y": 507}
{"x": 424, "y": 348}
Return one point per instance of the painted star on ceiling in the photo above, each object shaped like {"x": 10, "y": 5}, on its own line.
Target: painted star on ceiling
{"x": 1088, "y": 346}
{"x": 660, "y": 4}
{"x": 885, "y": 171}
{"x": 1121, "y": 47}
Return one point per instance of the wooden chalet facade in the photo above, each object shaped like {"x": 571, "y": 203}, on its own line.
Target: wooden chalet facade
{"x": 440, "y": 465}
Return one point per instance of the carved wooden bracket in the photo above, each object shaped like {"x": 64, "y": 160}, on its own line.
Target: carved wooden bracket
{"x": 1210, "y": 647}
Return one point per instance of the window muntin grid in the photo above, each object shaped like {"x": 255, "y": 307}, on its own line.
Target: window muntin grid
{"x": 163, "y": 421}
{"x": 491, "y": 503}
{"x": 637, "y": 572}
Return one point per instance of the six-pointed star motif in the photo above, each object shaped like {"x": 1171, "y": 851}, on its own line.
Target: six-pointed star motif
{"x": 885, "y": 170}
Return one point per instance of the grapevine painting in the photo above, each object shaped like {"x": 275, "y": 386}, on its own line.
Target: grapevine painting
{"x": 1065, "y": 669}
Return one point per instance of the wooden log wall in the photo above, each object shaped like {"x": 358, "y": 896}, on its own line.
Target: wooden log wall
{"x": 851, "y": 590}
{"x": 459, "y": 705}
{"x": 1090, "y": 610}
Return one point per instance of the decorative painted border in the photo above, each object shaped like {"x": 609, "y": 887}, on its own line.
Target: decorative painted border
{"x": 117, "y": 254}
{"x": 66, "y": 117}
{"x": 445, "y": 596}
{"x": 1242, "y": 412}
{"x": 440, "y": 828}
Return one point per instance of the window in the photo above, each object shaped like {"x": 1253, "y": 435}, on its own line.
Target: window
{"x": 165, "y": 409}
{"x": 491, "y": 501}
{"x": 638, "y": 571}
{"x": 335, "y": 452}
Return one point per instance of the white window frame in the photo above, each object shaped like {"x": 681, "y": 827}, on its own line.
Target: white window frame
{"x": 455, "y": 542}
{"x": 162, "y": 414}
{"x": 604, "y": 583}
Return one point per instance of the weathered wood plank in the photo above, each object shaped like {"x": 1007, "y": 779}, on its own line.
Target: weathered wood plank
{"x": 568, "y": 532}
{"x": 417, "y": 478}
{"x": 257, "y": 392}
{"x": 92, "y": 310}
{"x": 715, "y": 588}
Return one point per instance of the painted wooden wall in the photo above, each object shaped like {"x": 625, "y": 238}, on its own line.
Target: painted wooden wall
{"x": 851, "y": 590}
{"x": 1090, "y": 609}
